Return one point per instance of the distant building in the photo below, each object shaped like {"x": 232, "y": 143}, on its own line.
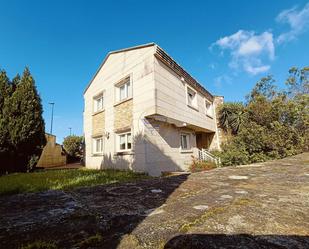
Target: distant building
{"x": 52, "y": 154}
{"x": 144, "y": 112}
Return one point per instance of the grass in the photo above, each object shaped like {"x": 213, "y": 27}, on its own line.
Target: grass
{"x": 90, "y": 241}
{"x": 63, "y": 179}
{"x": 40, "y": 245}
{"x": 214, "y": 211}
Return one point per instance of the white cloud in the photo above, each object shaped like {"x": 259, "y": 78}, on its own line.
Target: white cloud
{"x": 248, "y": 49}
{"x": 232, "y": 40}
{"x": 298, "y": 20}
{"x": 256, "y": 69}
{"x": 221, "y": 80}
{"x": 258, "y": 44}
{"x": 252, "y": 52}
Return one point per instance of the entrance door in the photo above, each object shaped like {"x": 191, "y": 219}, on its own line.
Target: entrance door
{"x": 203, "y": 140}
{"x": 199, "y": 140}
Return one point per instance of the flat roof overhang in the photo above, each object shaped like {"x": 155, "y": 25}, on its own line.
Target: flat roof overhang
{"x": 178, "y": 123}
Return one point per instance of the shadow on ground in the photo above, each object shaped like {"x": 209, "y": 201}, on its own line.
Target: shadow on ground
{"x": 91, "y": 217}
{"x": 241, "y": 241}
{"x": 222, "y": 208}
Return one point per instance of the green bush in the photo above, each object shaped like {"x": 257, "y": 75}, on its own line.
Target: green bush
{"x": 73, "y": 145}
{"x": 197, "y": 165}
{"x": 272, "y": 124}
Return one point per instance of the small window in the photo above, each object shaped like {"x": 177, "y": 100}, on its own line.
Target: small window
{"x": 185, "y": 141}
{"x": 124, "y": 90}
{"x": 98, "y": 103}
{"x": 209, "y": 108}
{"x": 97, "y": 145}
{"x": 191, "y": 97}
{"x": 124, "y": 141}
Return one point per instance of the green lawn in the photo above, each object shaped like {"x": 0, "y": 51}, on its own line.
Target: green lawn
{"x": 63, "y": 179}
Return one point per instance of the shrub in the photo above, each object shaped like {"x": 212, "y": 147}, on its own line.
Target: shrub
{"x": 197, "y": 165}
{"x": 271, "y": 125}
{"x": 73, "y": 146}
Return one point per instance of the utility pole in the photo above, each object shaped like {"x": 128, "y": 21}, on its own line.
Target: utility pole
{"x": 52, "y": 117}
{"x": 70, "y": 128}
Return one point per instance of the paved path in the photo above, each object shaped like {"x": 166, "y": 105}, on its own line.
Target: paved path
{"x": 260, "y": 206}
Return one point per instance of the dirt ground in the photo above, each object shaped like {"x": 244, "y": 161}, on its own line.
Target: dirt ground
{"x": 258, "y": 206}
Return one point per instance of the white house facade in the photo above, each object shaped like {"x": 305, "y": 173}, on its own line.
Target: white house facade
{"x": 144, "y": 112}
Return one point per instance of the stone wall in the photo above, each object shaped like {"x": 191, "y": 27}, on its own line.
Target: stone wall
{"x": 52, "y": 154}
{"x": 98, "y": 124}
{"x": 123, "y": 116}
{"x": 220, "y": 135}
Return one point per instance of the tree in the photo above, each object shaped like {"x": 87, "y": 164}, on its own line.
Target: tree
{"x": 73, "y": 146}
{"x": 272, "y": 124}
{"x": 232, "y": 116}
{"x": 4, "y": 132}
{"x": 23, "y": 121}
{"x": 264, "y": 87}
{"x": 298, "y": 81}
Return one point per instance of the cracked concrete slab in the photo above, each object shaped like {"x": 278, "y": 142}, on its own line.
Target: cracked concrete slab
{"x": 269, "y": 209}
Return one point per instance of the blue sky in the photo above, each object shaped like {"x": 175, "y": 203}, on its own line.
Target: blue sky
{"x": 226, "y": 45}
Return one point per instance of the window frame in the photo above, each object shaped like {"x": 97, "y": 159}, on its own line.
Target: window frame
{"x": 94, "y": 145}
{"x": 125, "y": 134}
{"x": 188, "y": 137}
{"x": 211, "y": 114}
{"x": 128, "y": 89}
{"x": 95, "y": 101}
{"x": 194, "y": 102}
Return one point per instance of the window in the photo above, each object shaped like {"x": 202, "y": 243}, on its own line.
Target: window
{"x": 191, "y": 97}
{"x": 185, "y": 141}
{"x": 98, "y": 103}
{"x": 125, "y": 141}
{"x": 209, "y": 108}
{"x": 97, "y": 145}
{"x": 124, "y": 90}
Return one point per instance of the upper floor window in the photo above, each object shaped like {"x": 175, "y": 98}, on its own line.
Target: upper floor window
{"x": 191, "y": 97}
{"x": 209, "y": 108}
{"x": 98, "y": 102}
{"x": 124, "y": 89}
{"x": 124, "y": 141}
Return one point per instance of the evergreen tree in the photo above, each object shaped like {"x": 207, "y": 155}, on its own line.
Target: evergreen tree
{"x": 25, "y": 123}
{"x": 4, "y": 134}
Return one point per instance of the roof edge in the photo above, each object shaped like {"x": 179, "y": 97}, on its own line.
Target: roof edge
{"x": 115, "y": 52}
{"x": 180, "y": 71}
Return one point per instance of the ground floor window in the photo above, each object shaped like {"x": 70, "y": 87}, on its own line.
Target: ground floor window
{"x": 185, "y": 141}
{"x": 124, "y": 141}
{"x": 97, "y": 147}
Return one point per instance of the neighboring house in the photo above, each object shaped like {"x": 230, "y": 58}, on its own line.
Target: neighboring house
{"x": 146, "y": 113}
{"x": 52, "y": 154}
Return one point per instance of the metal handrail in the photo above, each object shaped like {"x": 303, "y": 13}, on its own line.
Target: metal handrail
{"x": 205, "y": 155}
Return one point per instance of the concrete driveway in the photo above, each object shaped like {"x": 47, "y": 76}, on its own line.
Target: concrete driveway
{"x": 258, "y": 206}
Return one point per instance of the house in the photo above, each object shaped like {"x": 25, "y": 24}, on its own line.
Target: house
{"x": 52, "y": 154}
{"x": 144, "y": 112}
